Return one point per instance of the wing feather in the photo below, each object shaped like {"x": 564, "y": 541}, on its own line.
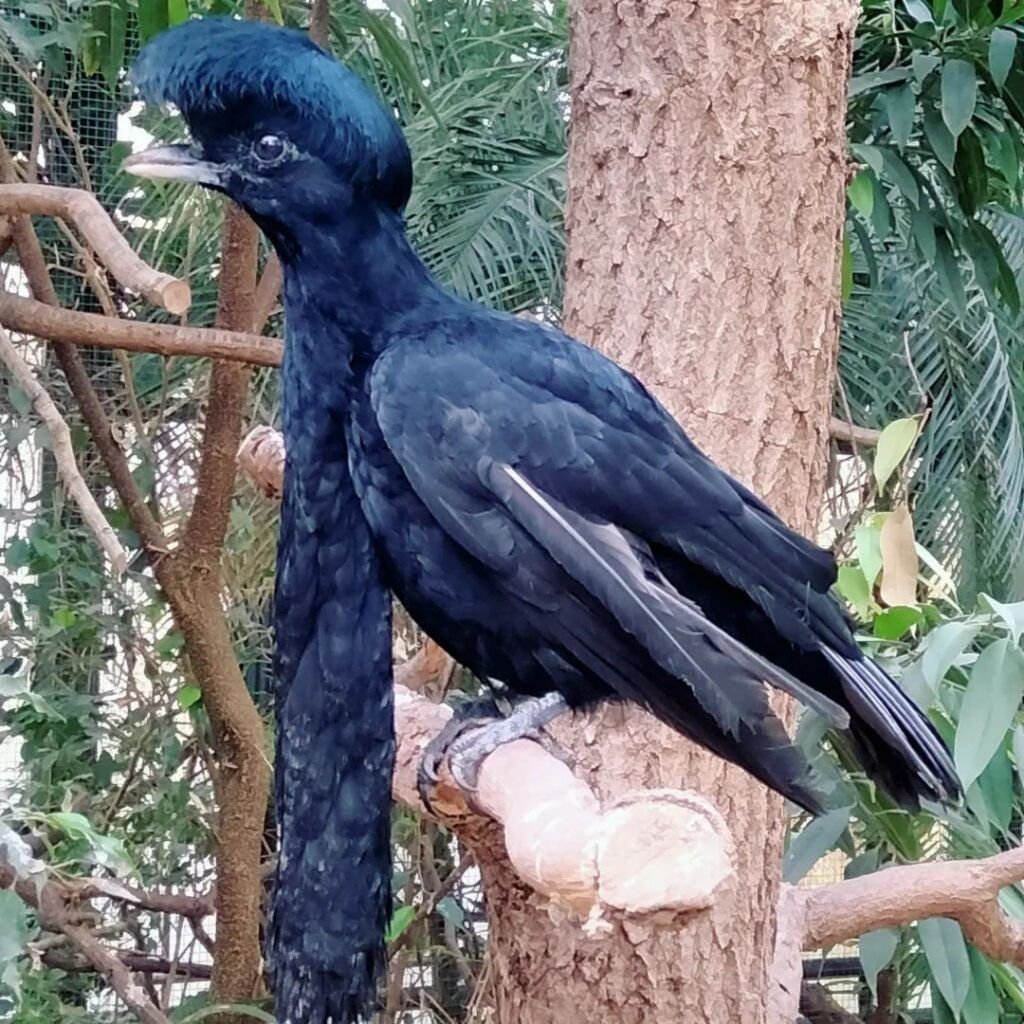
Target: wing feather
{"x": 725, "y": 676}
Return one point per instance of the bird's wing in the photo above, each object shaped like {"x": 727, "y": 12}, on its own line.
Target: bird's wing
{"x": 480, "y": 443}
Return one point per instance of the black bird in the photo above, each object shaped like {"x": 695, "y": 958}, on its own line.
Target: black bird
{"x": 536, "y": 510}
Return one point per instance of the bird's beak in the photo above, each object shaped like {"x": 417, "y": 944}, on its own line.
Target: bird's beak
{"x": 174, "y": 163}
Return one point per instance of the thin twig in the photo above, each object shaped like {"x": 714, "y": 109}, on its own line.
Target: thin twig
{"x": 64, "y": 454}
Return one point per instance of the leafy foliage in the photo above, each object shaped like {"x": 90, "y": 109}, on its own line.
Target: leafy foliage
{"x": 932, "y": 318}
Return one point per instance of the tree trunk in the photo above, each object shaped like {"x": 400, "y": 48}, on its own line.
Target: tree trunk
{"x": 707, "y": 176}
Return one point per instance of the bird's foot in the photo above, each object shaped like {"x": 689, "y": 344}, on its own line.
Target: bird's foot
{"x": 470, "y": 715}
{"x": 469, "y": 741}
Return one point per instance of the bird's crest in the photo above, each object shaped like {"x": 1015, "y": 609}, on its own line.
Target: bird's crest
{"x": 220, "y": 69}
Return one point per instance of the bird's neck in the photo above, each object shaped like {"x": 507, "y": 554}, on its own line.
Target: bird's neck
{"x": 345, "y": 279}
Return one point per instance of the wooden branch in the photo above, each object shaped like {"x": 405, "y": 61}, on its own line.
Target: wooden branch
{"x": 52, "y": 900}
{"x": 431, "y": 662}
{"x": 64, "y": 454}
{"x": 819, "y": 1006}
{"x": 192, "y": 907}
{"x": 117, "y": 974}
{"x": 658, "y": 852}
{"x": 320, "y": 23}
{"x": 83, "y": 210}
{"x": 138, "y": 962}
{"x": 33, "y": 263}
{"x": 28, "y": 316}
{"x": 653, "y": 852}
{"x": 849, "y": 433}
{"x": 267, "y": 291}
{"x": 965, "y": 890}
{"x": 228, "y": 392}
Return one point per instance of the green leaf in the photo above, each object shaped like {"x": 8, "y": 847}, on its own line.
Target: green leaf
{"x": 893, "y": 446}
{"x": 959, "y": 95}
{"x": 894, "y": 622}
{"x": 970, "y": 173}
{"x": 943, "y": 647}
{"x": 1011, "y": 614}
{"x": 72, "y": 824}
{"x": 107, "y": 851}
{"x": 451, "y": 910}
{"x": 903, "y": 178}
{"x": 1003, "y": 154}
{"x": 1018, "y": 751}
{"x": 177, "y": 11}
{"x": 871, "y": 155}
{"x": 274, "y": 6}
{"x": 868, "y": 545}
{"x": 982, "y": 1003}
{"x": 881, "y": 215}
{"x": 924, "y": 64}
{"x": 866, "y": 248}
{"x": 948, "y": 269}
{"x": 875, "y": 79}
{"x": 877, "y": 949}
{"x": 919, "y": 11}
{"x": 64, "y": 617}
{"x": 991, "y": 700}
{"x": 169, "y": 645}
{"x": 946, "y": 953}
{"x": 189, "y": 695}
{"x": 153, "y": 18}
{"x": 18, "y": 553}
{"x": 941, "y": 1013}
{"x": 991, "y": 796}
{"x": 400, "y": 921}
{"x": 1001, "y": 48}
{"x": 397, "y": 57}
{"x": 939, "y": 138}
{"x": 846, "y": 270}
{"x": 807, "y": 847}
{"x": 117, "y": 29}
{"x": 1006, "y": 279}
{"x": 13, "y": 925}
{"x": 19, "y": 399}
{"x": 922, "y": 227}
{"x": 901, "y": 105}
{"x": 862, "y": 193}
{"x": 854, "y": 587}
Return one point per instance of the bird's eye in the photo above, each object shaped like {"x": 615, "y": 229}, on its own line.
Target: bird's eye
{"x": 269, "y": 149}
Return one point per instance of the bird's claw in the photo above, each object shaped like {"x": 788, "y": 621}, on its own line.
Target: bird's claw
{"x": 467, "y": 741}
{"x": 435, "y": 752}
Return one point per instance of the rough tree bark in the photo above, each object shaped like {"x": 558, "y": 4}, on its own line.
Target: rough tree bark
{"x": 707, "y": 172}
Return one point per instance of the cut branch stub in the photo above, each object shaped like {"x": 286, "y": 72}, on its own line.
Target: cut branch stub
{"x": 653, "y": 853}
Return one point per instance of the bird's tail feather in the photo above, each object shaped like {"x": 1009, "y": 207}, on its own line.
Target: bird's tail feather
{"x": 896, "y": 743}
{"x": 332, "y": 898}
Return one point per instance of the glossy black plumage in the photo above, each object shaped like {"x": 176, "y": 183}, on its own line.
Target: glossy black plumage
{"x": 530, "y": 503}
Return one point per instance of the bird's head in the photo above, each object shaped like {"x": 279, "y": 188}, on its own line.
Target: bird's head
{"x": 276, "y": 123}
